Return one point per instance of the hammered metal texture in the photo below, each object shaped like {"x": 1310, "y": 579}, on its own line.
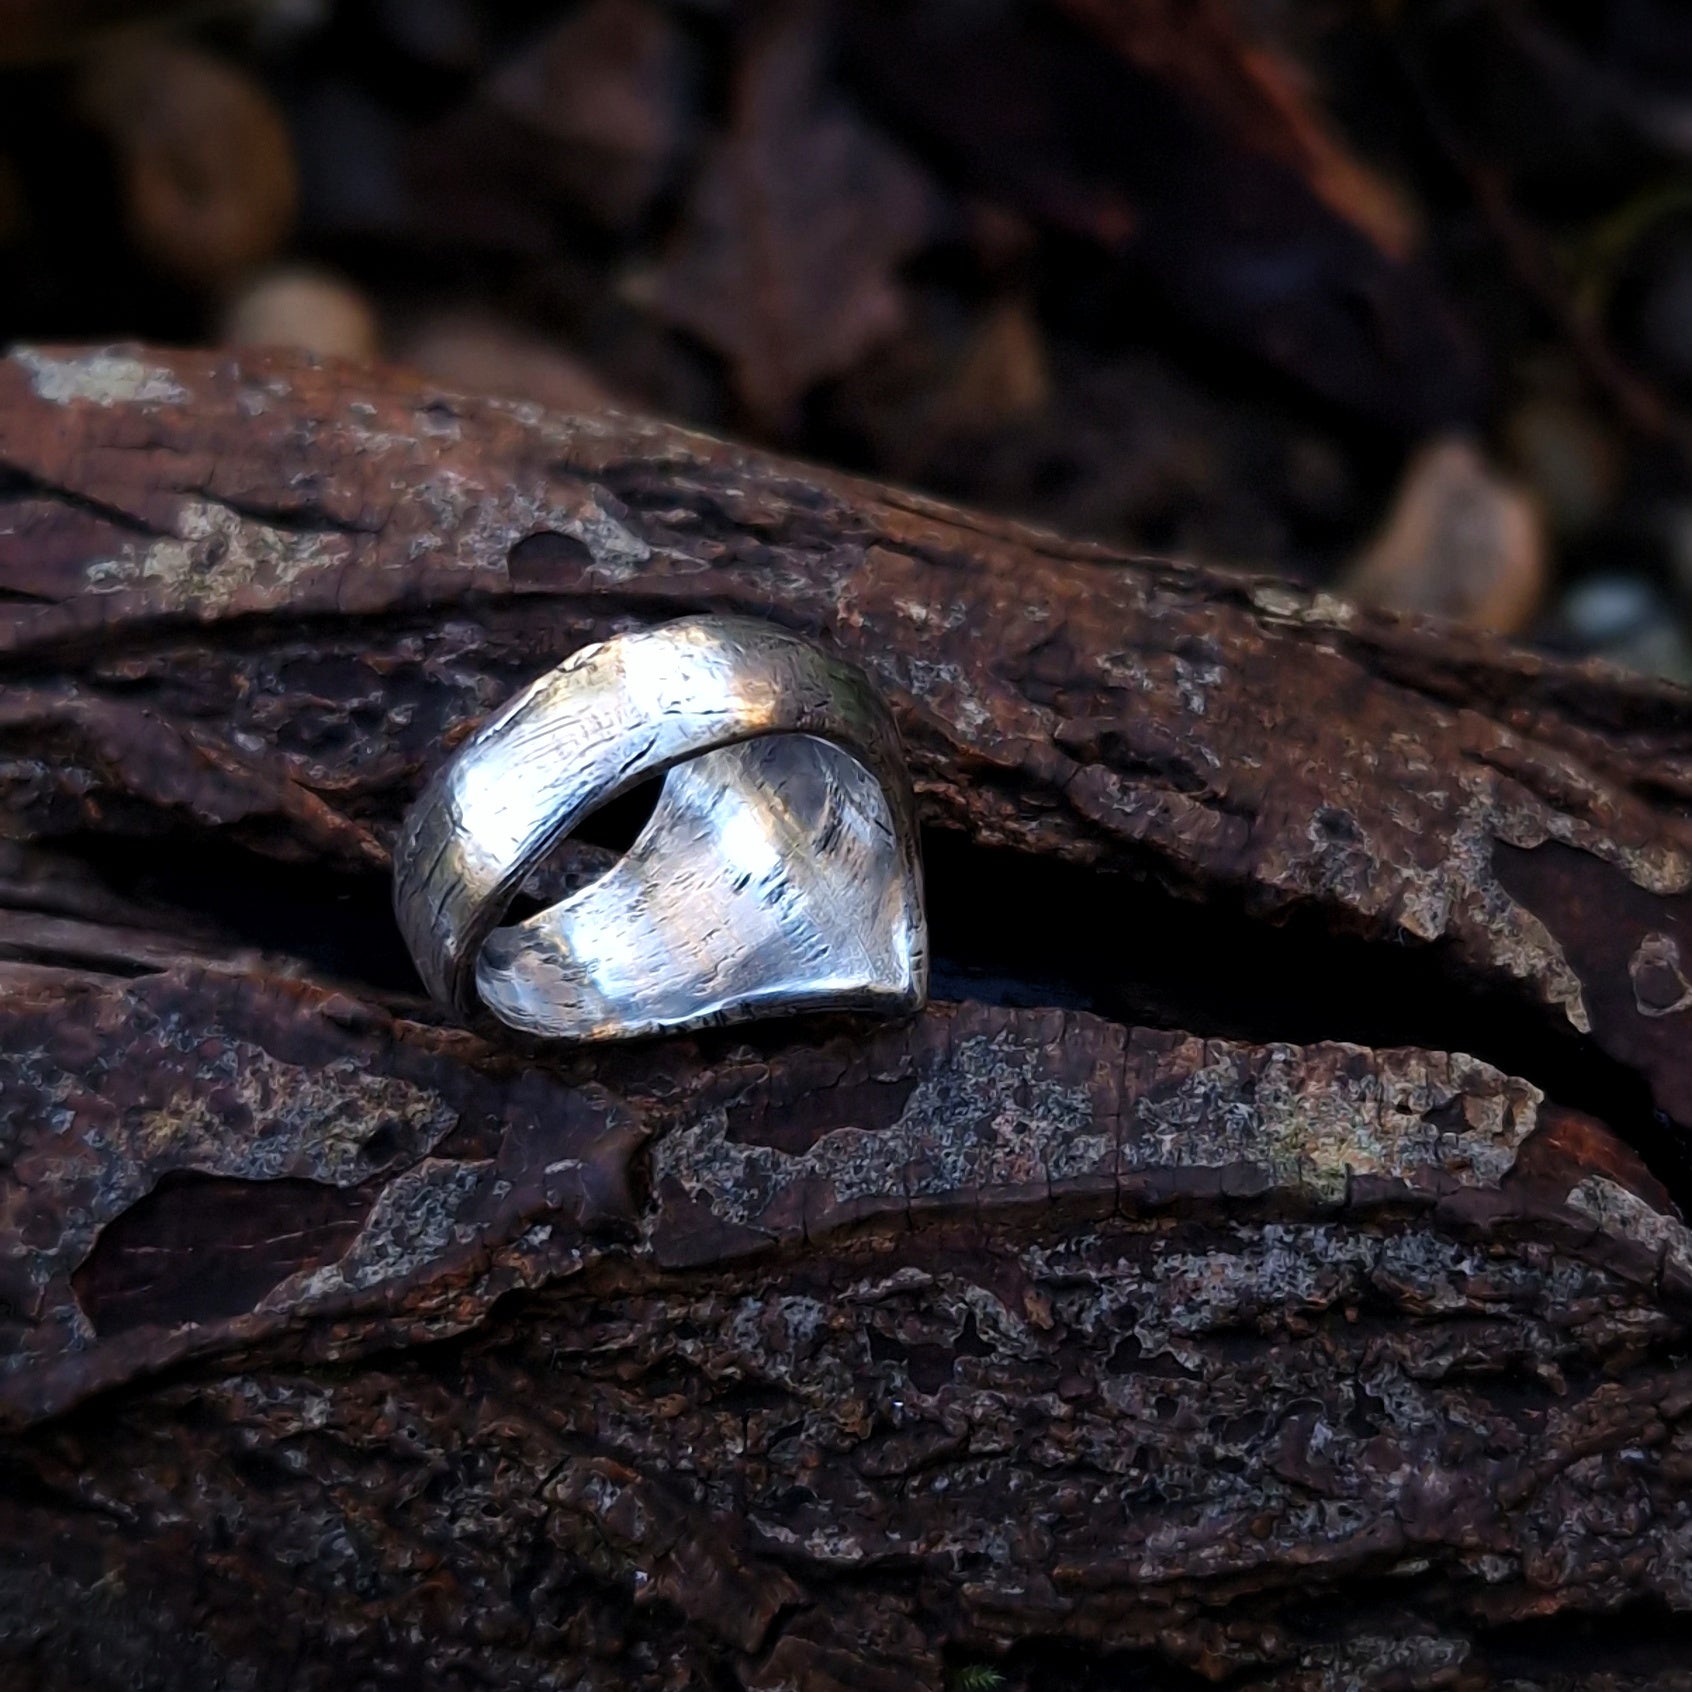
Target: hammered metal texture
{"x": 779, "y": 871}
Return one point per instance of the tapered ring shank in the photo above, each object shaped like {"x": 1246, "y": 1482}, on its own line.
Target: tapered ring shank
{"x": 781, "y": 875}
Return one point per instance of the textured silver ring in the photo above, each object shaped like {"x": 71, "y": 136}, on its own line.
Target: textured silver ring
{"x": 779, "y": 871}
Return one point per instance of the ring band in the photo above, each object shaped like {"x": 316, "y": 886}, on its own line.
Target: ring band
{"x": 779, "y": 871}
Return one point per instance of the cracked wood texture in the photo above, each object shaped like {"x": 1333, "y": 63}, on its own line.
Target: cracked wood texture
{"x": 1262, "y": 1265}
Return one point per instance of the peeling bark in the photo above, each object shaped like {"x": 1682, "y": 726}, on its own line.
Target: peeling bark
{"x": 1262, "y": 1264}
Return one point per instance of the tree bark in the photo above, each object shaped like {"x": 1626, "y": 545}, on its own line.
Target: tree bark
{"x": 1262, "y": 1263}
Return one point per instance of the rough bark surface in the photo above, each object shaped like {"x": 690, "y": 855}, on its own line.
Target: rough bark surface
{"x": 1262, "y": 1265}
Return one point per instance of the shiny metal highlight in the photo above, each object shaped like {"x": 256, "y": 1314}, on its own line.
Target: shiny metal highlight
{"x": 778, "y": 873}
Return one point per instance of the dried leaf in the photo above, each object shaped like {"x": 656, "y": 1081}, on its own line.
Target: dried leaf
{"x": 1024, "y": 104}
{"x": 785, "y": 262}
{"x": 609, "y": 94}
{"x": 33, "y": 30}
{"x": 209, "y": 180}
{"x": 1260, "y": 96}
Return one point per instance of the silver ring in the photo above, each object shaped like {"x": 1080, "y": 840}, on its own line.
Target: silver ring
{"x": 779, "y": 871}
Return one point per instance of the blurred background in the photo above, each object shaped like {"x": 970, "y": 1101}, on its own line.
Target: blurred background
{"x": 1392, "y": 295}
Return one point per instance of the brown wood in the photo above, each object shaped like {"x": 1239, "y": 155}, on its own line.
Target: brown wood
{"x": 1263, "y": 1263}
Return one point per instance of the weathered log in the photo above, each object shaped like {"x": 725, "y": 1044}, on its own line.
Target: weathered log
{"x": 1262, "y": 1263}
